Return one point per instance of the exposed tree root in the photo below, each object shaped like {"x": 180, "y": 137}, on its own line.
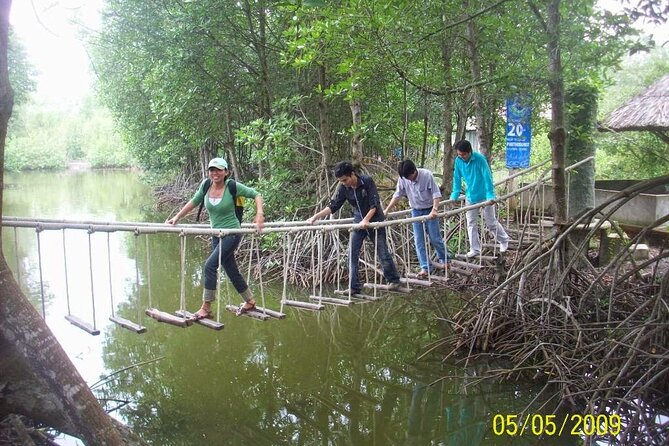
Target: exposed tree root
{"x": 599, "y": 335}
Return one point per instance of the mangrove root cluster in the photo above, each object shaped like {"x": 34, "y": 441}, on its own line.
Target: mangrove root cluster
{"x": 598, "y": 334}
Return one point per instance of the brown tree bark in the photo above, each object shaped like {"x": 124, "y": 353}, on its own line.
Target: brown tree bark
{"x": 483, "y": 127}
{"x": 325, "y": 134}
{"x": 356, "y": 138}
{"x": 258, "y": 41}
{"x": 37, "y": 379}
{"x": 449, "y": 156}
{"x": 229, "y": 147}
{"x": 557, "y": 135}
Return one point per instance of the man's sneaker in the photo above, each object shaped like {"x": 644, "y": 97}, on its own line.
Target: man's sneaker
{"x": 503, "y": 246}
{"x": 353, "y": 292}
{"x": 393, "y": 286}
{"x": 473, "y": 253}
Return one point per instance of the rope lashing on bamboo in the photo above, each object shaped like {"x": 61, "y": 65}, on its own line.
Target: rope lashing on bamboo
{"x": 317, "y": 265}
{"x": 250, "y": 260}
{"x": 220, "y": 279}
{"x": 313, "y": 266}
{"x": 284, "y": 298}
{"x": 407, "y": 249}
{"x": 109, "y": 270}
{"x": 284, "y": 288}
{"x": 38, "y": 230}
{"x": 350, "y": 264}
{"x": 67, "y": 284}
{"x": 376, "y": 257}
{"x": 426, "y": 246}
{"x": 125, "y": 323}
{"x": 90, "y": 267}
{"x": 181, "y": 319}
{"x": 365, "y": 255}
{"x": 148, "y": 275}
{"x": 90, "y": 329}
{"x": 446, "y": 251}
{"x": 338, "y": 256}
{"x": 16, "y": 253}
{"x": 77, "y": 322}
{"x": 380, "y": 272}
{"x": 137, "y": 281}
{"x": 264, "y": 310}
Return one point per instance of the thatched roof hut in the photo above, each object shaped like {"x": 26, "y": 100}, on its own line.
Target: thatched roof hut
{"x": 649, "y": 111}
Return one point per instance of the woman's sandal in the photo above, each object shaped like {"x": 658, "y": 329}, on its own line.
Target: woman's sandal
{"x": 245, "y": 307}
{"x": 201, "y": 314}
{"x": 422, "y": 275}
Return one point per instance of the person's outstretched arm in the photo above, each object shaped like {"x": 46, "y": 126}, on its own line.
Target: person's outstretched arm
{"x": 320, "y": 214}
{"x": 182, "y": 213}
{"x": 260, "y": 214}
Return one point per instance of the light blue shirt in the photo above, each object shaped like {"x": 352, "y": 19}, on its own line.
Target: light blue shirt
{"x": 421, "y": 193}
{"x": 477, "y": 176}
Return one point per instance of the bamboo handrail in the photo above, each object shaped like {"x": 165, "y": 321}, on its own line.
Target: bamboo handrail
{"x": 270, "y": 227}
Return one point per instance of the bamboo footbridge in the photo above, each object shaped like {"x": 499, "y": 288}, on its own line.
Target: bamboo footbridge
{"x": 321, "y": 251}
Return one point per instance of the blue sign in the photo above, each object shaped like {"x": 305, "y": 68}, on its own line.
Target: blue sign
{"x": 518, "y": 133}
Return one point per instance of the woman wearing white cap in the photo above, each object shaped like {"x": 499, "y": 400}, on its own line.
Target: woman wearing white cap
{"x": 221, "y": 208}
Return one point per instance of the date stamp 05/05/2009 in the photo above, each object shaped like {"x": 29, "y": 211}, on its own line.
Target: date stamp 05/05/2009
{"x": 551, "y": 425}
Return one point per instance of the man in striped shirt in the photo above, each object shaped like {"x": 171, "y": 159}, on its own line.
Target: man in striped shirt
{"x": 419, "y": 186}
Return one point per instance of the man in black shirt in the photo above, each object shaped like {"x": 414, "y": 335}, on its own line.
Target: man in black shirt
{"x": 360, "y": 192}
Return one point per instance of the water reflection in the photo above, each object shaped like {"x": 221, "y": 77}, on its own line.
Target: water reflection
{"x": 100, "y": 195}
{"x": 343, "y": 376}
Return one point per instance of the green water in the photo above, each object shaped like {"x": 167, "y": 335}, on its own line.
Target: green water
{"x": 343, "y": 376}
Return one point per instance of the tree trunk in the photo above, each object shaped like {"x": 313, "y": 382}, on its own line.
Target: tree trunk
{"x": 475, "y": 68}
{"x": 426, "y": 126}
{"x": 324, "y": 117}
{"x": 449, "y": 156}
{"x": 37, "y": 379}
{"x": 557, "y": 134}
{"x": 208, "y": 150}
{"x": 405, "y": 120}
{"x": 6, "y": 95}
{"x": 581, "y": 102}
{"x": 259, "y": 44}
{"x": 229, "y": 146}
{"x": 356, "y": 138}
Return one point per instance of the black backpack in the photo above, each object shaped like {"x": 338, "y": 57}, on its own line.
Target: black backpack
{"x": 232, "y": 187}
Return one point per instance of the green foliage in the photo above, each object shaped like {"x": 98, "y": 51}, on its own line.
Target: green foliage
{"x": 581, "y": 111}
{"x": 632, "y": 155}
{"x": 101, "y": 143}
{"x": 39, "y": 142}
{"x": 635, "y": 74}
{"x": 42, "y": 138}
{"x": 21, "y": 73}
{"x": 274, "y": 139}
{"x": 179, "y": 75}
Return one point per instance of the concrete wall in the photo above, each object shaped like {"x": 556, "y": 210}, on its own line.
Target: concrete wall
{"x": 640, "y": 211}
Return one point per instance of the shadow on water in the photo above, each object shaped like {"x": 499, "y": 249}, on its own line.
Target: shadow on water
{"x": 343, "y": 376}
